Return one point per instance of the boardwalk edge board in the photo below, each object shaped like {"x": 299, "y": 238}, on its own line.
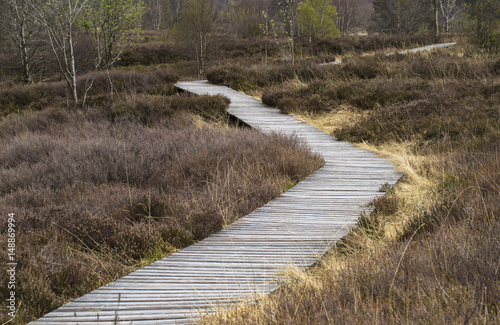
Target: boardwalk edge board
{"x": 245, "y": 258}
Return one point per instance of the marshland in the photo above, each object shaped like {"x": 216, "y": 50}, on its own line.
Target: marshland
{"x": 107, "y": 167}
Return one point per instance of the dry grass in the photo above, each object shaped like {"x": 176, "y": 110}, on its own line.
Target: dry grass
{"x": 429, "y": 253}
{"x": 329, "y": 123}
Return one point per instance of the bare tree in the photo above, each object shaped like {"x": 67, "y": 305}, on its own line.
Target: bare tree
{"x": 59, "y": 20}
{"x": 245, "y": 18}
{"x": 198, "y": 28}
{"x": 158, "y": 14}
{"x": 351, "y": 14}
{"x": 484, "y": 24}
{"x": 449, "y": 10}
{"x": 401, "y": 16}
{"x": 21, "y": 28}
{"x": 112, "y": 24}
{"x": 413, "y": 16}
{"x": 385, "y": 16}
{"x": 436, "y": 18}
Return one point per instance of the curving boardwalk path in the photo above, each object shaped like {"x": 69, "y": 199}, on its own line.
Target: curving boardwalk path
{"x": 428, "y": 48}
{"x": 415, "y": 50}
{"x": 241, "y": 260}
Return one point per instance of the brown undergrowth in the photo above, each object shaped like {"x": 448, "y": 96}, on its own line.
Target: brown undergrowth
{"x": 15, "y": 98}
{"x": 246, "y": 75}
{"x": 430, "y": 251}
{"x": 100, "y": 191}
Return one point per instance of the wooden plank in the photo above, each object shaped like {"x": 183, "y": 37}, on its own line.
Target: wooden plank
{"x": 246, "y": 257}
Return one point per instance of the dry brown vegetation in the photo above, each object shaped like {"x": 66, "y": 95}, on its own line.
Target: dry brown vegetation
{"x": 430, "y": 251}
{"x": 99, "y": 85}
{"x": 229, "y": 53}
{"x": 130, "y": 178}
{"x": 140, "y": 173}
{"x": 245, "y": 74}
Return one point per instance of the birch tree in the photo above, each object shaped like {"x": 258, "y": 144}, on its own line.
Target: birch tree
{"x": 112, "y": 25}
{"x": 59, "y": 20}
{"x": 351, "y": 14}
{"x": 21, "y": 28}
{"x": 436, "y": 18}
{"x": 449, "y": 11}
{"x": 176, "y": 7}
{"x": 284, "y": 27}
{"x": 158, "y": 14}
{"x": 197, "y": 27}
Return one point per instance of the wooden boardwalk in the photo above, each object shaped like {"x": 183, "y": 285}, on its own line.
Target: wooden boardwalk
{"x": 428, "y": 48}
{"x": 242, "y": 260}
{"x": 415, "y": 50}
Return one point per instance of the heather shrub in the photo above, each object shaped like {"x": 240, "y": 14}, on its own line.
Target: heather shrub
{"x": 14, "y": 98}
{"x": 364, "y": 68}
{"x": 429, "y": 113}
{"x": 235, "y": 77}
{"x": 254, "y": 77}
{"x": 321, "y": 96}
{"x": 439, "y": 97}
{"x": 245, "y": 48}
{"x": 147, "y": 109}
{"x": 438, "y": 65}
{"x": 99, "y": 87}
{"x": 151, "y": 54}
{"x": 172, "y": 52}
{"x": 360, "y": 44}
{"x": 149, "y": 82}
{"x": 102, "y": 191}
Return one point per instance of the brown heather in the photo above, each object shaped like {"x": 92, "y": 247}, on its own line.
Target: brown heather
{"x": 243, "y": 73}
{"x": 15, "y": 98}
{"x": 163, "y": 48}
{"x": 101, "y": 191}
{"x": 363, "y": 44}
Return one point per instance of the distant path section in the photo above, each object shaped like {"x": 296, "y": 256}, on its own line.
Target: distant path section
{"x": 242, "y": 260}
{"x": 418, "y": 49}
{"x": 428, "y": 48}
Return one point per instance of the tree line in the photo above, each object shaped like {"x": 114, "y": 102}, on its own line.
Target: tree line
{"x": 75, "y": 35}
{"x": 80, "y": 36}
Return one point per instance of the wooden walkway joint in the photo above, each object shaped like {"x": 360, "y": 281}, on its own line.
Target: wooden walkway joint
{"x": 243, "y": 259}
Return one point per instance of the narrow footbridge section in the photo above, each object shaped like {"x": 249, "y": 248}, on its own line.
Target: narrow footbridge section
{"x": 243, "y": 259}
